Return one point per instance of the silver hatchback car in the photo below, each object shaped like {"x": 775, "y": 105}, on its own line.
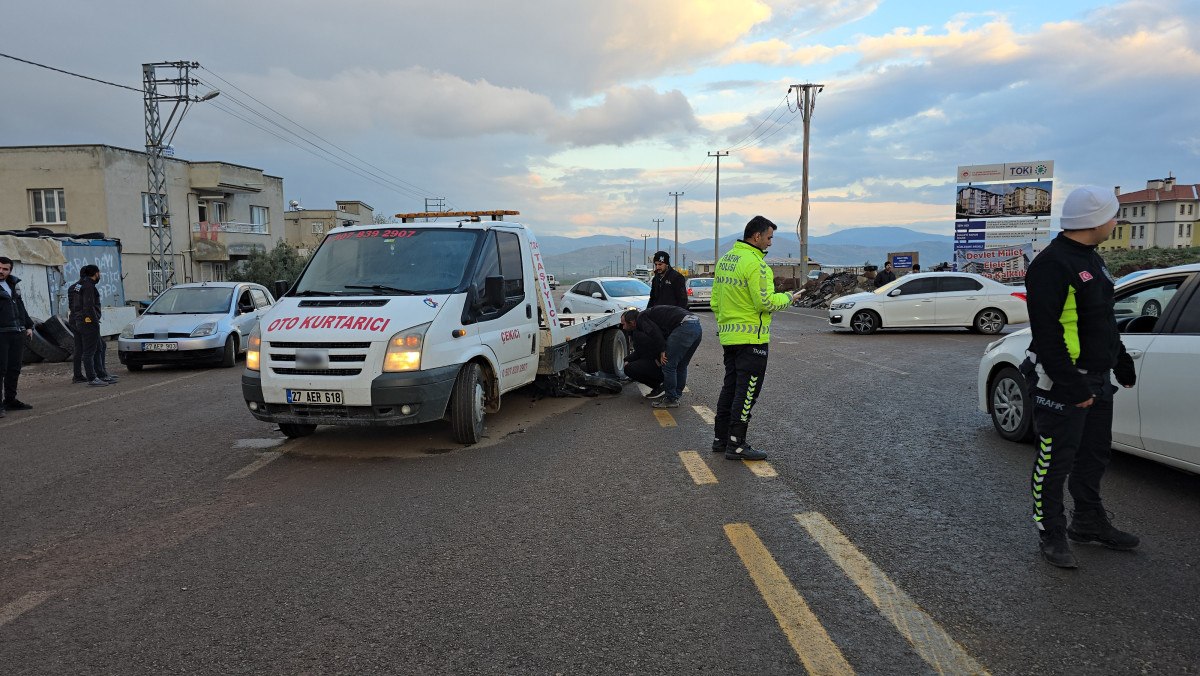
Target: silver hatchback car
{"x": 699, "y": 291}
{"x": 205, "y": 322}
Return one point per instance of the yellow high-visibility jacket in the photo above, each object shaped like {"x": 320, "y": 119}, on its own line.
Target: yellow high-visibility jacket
{"x": 743, "y": 296}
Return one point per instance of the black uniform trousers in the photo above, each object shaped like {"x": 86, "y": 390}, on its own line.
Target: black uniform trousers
{"x": 1074, "y": 448}
{"x": 12, "y": 347}
{"x": 87, "y": 341}
{"x": 745, "y": 368}
{"x": 645, "y": 371}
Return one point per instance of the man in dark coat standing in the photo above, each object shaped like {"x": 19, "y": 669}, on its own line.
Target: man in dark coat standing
{"x": 667, "y": 287}
{"x": 85, "y": 322}
{"x": 15, "y": 327}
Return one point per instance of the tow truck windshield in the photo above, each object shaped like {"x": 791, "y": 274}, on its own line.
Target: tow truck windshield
{"x": 389, "y": 261}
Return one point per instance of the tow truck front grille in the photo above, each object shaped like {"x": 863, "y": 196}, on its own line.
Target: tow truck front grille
{"x": 332, "y": 357}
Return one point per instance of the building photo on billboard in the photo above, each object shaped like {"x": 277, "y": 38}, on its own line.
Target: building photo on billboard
{"x": 1004, "y": 200}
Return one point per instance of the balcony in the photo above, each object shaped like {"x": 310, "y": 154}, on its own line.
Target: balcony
{"x": 231, "y": 226}
{"x": 220, "y": 178}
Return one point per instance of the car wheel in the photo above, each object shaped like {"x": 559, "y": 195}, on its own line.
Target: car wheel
{"x": 1012, "y": 409}
{"x": 229, "y": 356}
{"x": 566, "y": 310}
{"x": 989, "y": 321}
{"x": 296, "y": 430}
{"x": 864, "y": 322}
{"x": 613, "y": 350}
{"x": 130, "y": 366}
{"x": 467, "y": 405}
{"x": 1152, "y": 308}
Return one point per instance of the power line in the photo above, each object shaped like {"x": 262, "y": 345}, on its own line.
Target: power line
{"x": 67, "y": 72}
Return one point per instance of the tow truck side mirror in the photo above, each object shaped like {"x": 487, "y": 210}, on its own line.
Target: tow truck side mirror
{"x": 281, "y": 287}
{"x": 493, "y": 291}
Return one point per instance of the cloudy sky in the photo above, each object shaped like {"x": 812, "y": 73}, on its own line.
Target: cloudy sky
{"x": 584, "y": 116}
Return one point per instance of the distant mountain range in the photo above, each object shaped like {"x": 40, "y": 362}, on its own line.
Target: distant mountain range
{"x": 577, "y": 257}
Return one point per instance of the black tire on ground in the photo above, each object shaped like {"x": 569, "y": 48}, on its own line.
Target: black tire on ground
{"x": 45, "y": 347}
{"x": 130, "y": 366}
{"x": 296, "y": 430}
{"x": 28, "y": 355}
{"x": 566, "y": 310}
{"x": 989, "y": 321}
{"x": 229, "y": 356}
{"x": 57, "y": 331}
{"x": 864, "y": 322}
{"x": 467, "y": 405}
{"x": 1152, "y": 308}
{"x": 613, "y": 350}
{"x": 1011, "y": 406}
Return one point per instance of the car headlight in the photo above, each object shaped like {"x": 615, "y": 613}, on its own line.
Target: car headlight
{"x": 842, "y": 306}
{"x": 254, "y": 350}
{"x": 127, "y": 332}
{"x": 404, "y": 350}
{"x": 205, "y": 329}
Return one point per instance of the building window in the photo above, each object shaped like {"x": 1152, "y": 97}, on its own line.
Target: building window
{"x": 220, "y": 212}
{"x": 1181, "y": 209}
{"x": 1180, "y": 230}
{"x": 318, "y": 228}
{"x": 1190, "y": 208}
{"x": 260, "y": 216}
{"x": 146, "y": 209}
{"x": 154, "y": 275}
{"x": 1142, "y": 232}
{"x": 1143, "y": 211}
{"x": 212, "y": 272}
{"x": 1124, "y": 211}
{"x": 1189, "y": 229}
{"x": 48, "y": 205}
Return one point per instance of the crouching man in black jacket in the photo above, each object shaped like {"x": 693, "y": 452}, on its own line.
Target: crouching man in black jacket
{"x": 15, "y": 327}
{"x": 1076, "y": 350}
{"x": 664, "y": 340}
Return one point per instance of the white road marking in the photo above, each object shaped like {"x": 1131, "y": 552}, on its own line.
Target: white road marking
{"x": 22, "y": 605}
{"x": 801, "y": 314}
{"x": 89, "y": 402}
{"x": 257, "y": 443}
{"x": 263, "y": 460}
{"x": 705, "y": 414}
{"x": 863, "y": 361}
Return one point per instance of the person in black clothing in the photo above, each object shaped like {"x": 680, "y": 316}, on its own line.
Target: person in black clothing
{"x": 15, "y": 327}
{"x": 1075, "y": 352}
{"x": 85, "y": 323}
{"x": 885, "y": 276}
{"x": 665, "y": 338}
{"x": 667, "y": 287}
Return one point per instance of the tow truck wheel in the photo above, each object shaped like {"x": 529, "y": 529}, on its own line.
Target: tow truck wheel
{"x": 613, "y": 349}
{"x": 296, "y": 430}
{"x": 467, "y": 405}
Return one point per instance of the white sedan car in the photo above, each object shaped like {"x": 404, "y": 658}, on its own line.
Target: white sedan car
{"x": 1156, "y": 418}
{"x": 606, "y": 294}
{"x": 932, "y": 300}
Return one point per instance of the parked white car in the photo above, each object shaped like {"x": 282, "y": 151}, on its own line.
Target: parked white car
{"x": 606, "y": 294}
{"x": 932, "y": 300}
{"x": 1156, "y": 418}
{"x": 196, "y": 322}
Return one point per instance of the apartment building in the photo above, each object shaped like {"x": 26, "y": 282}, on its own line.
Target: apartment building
{"x": 219, "y": 212}
{"x": 305, "y": 228}
{"x": 1165, "y": 215}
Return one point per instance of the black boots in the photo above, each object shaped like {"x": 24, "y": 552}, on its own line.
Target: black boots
{"x": 742, "y": 450}
{"x": 719, "y": 445}
{"x": 1055, "y": 548}
{"x": 1094, "y": 526}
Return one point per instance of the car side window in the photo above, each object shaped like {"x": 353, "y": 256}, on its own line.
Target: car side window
{"x": 1189, "y": 319}
{"x": 260, "y": 298}
{"x": 959, "y": 284}
{"x": 928, "y": 285}
{"x": 244, "y": 302}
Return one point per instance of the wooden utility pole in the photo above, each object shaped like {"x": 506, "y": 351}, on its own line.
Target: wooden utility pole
{"x": 806, "y": 105}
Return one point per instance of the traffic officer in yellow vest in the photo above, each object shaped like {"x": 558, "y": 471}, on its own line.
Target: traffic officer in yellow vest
{"x": 743, "y": 298}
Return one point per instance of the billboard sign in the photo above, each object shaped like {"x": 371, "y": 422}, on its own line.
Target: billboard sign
{"x": 1017, "y": 171}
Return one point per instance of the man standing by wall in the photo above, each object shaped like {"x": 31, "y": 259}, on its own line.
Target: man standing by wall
{"x": 15, "y": 327}
{"x": 1076, "y": 351}
{"x": 85, "y": 322}
{"x": 743, "y": 298}
{"x": 886, "y": 276}
{"x": 667, "y": 287}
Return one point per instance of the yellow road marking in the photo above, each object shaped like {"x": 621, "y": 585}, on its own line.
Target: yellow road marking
{"x": 929, "y": 640}
{"x": 808, "y": 638}
{"x": 696, "y": 466}
{"x": 263, "y": 460}
{"x": 665, "y": 419}
{"x": 761, "y": 468}
{"x": 22, "y": 605}
{"x": 705, "y": 414}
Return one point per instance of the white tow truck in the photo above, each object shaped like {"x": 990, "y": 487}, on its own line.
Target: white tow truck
{"x": 412, "y": 322}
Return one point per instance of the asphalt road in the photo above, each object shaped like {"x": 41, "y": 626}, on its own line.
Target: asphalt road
{"x": 155, "y": 527}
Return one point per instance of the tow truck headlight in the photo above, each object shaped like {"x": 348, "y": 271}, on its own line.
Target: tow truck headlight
{"x": 127, "y": 332}
{"x": 404, "y": 350}
{"x": 205, "y": 329}
{"x": 253, "y": 350}
{"x": 842, "y": 306}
